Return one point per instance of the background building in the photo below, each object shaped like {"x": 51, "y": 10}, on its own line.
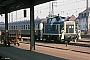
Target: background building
{"x": 82, "y": 23}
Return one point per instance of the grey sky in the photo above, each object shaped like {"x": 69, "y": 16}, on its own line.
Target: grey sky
{"x": 63, "y": 7}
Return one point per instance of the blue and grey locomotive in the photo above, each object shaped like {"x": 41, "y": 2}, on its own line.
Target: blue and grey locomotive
{"x": 59, "y": 30}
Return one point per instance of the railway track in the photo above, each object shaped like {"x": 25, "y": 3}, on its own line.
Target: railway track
{"x": 76, "y": 47}
{"x": 84, "y": 40}
{"x": 82, "y": 43}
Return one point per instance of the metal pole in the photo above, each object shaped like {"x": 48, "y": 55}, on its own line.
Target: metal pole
{"x": 87, "y": 14}
{"x": 6, "y": 26}
{"x": 12, "y": 17}
{"x": 32, "y": 42}
{"x": 52, "y": 9}
{"x": 16, "y": 15}
{"x": 9, "y": 17}
{"x": 49, "y": 8}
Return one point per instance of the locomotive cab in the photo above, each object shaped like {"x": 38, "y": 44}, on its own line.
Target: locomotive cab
{"x": 69, "y": 32}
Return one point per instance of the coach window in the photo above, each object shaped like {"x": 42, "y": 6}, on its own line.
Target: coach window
{"x": 18, "y": 26}
{"x": 14, "y": 27}
{"x": 9, "y": 27}
{"x": 3, "y": 28}
{"x": 26, "y": 27}
{"x": 22, "y": 26}
{"x": 36, "y": 25}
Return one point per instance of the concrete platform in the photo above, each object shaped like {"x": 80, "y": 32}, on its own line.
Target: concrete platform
{"x": 20, "y": 54}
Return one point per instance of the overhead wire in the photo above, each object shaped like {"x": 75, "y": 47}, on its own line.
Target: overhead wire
{"x": 65, "y": 3}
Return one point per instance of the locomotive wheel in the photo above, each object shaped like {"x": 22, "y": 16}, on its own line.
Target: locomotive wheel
{"x": 46, "y": 40}
{"x": 58, "y": 41}
{"x": 39, "y": 39}
{"x": 55, "y": 41}
{"x": 14, "y": 43}
{"x": 5, "y": 43}
{"x": 18, "y": 44}
{"x": 8, "y": 43}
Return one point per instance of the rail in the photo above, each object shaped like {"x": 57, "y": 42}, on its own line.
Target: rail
{"x": 85, "y": 36}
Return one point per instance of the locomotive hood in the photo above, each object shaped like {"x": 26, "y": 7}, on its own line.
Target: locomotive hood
{"x": 56, "y": 20}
